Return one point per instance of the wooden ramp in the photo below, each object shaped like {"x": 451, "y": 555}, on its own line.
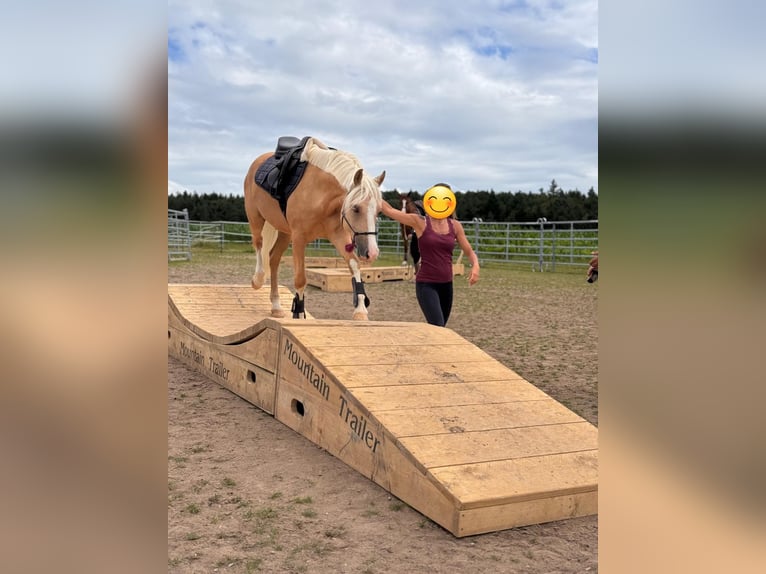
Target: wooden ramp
{"x": 439, "y": 423}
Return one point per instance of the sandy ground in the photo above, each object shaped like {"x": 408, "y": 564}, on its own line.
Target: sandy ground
{"x": 247, "y": 494}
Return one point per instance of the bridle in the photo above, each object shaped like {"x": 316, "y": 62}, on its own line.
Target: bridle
{"x": 350, "y": 246}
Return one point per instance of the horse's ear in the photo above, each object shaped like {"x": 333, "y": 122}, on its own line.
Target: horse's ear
{"x": 381, "y": 177}
{"x": 358, "y": 177}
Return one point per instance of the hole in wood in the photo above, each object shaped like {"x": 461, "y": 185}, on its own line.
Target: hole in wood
{"x": 168, "y": 333}
{"x": 251, "y": 376}
{"x": 297, "y": 407}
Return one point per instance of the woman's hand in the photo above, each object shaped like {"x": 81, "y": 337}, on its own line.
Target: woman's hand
{"x": 473, "y": 278}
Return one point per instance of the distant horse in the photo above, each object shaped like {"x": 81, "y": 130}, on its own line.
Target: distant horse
{"x": 593, "y": 268}
{"x": 335, "y": 199}
{"x": 409, "y": 239}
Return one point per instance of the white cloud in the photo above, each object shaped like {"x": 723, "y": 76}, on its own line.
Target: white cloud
{"x": 480, "y": 94}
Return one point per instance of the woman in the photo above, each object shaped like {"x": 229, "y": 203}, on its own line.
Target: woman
{"x": 437, "y": 233}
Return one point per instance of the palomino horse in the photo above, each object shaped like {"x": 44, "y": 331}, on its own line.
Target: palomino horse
{"x": 335, "y": 200}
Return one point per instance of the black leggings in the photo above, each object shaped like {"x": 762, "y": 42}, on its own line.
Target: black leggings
{"x": 435, "y": 300}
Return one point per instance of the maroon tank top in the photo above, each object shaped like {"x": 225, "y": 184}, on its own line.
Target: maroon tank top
{"x": 436, "y": 254}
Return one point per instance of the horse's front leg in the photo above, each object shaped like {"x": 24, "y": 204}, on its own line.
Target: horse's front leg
{"x": 361, "y": 301}
{"x": 299, "y": 279}
{"x": 405, "y": 241}
{"x": 275, "y": 256}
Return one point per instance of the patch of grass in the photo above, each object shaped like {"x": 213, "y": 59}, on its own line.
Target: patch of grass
{"x": 316, "y": 547}
{"x": 178, "y": 459}
{"x": 275, "y": 495}
{"x": 309, "y": 513}
{"x": 303, "y": 500}
{"x": 368, "y": 566}
{"x": 396, "y": 505}
{"x": 225, "y": 535}
{"x": 174, "y": 561}
{"x": 253, "y": 565}
{"x": 198, "y": 448}
{"x": 335, "y": 532}
{"x": 228, "y": 482}
{"x": 199, "y": 485}
{"x": 192, "y": 536}
{"x": 192, "y": 508}
{"x": 266, "y": 513}
{"x": 215, "y": 499}
{"x": 370, "y": 512}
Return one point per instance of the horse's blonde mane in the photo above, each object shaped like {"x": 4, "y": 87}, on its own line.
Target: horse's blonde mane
{"x": 343, "y": 165}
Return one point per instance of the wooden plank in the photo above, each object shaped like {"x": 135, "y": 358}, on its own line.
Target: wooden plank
{"x": 502, "y": 516}
{"x": 469, "y": 418}
{"x": 496, "y": 483}
{"x": 222, "y": 310}
{"x": 359, "y": 354}
{"x": 500, "y": 444}
{"x": 446, "y": 394}
{"x": 421, "y": 373}
{"x": 375, "y": 334}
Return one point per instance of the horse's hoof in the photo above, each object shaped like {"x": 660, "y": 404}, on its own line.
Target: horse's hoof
{"x": 257, "y": 280}
{"x": 361, "y": 317}
{"x": 278, "y": 313}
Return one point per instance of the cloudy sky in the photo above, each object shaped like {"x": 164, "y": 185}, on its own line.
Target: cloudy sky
{"x": 486, "y": 94}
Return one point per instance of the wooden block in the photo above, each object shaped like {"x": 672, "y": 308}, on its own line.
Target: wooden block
{"x": 401, "y": 273}
{"x": 330, "y": 280}
{"x": 338, "y": 280}
{"x": 526, "y": 512}
{"x": 505, "y": 481}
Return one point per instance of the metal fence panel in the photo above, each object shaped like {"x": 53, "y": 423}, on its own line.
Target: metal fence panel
{"x": 542, "y": 245}
{"x": 179, "y": 238}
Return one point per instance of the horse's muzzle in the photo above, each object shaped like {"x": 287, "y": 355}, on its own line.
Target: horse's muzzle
{"x": 367, "y": 249}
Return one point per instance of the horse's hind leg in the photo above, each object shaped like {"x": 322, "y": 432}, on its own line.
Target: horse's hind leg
{"x": 256, "y": 230}
{"x": 299, "y": 277}
{"x": 275, "y": 256}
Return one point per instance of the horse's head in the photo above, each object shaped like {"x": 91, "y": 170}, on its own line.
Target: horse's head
{"x": 360, "y": 212}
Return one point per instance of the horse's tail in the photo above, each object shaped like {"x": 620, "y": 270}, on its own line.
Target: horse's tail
{"x": 269, "y": 234}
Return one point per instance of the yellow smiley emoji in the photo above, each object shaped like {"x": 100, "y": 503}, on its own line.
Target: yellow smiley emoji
{"x": 439, "y": 201}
